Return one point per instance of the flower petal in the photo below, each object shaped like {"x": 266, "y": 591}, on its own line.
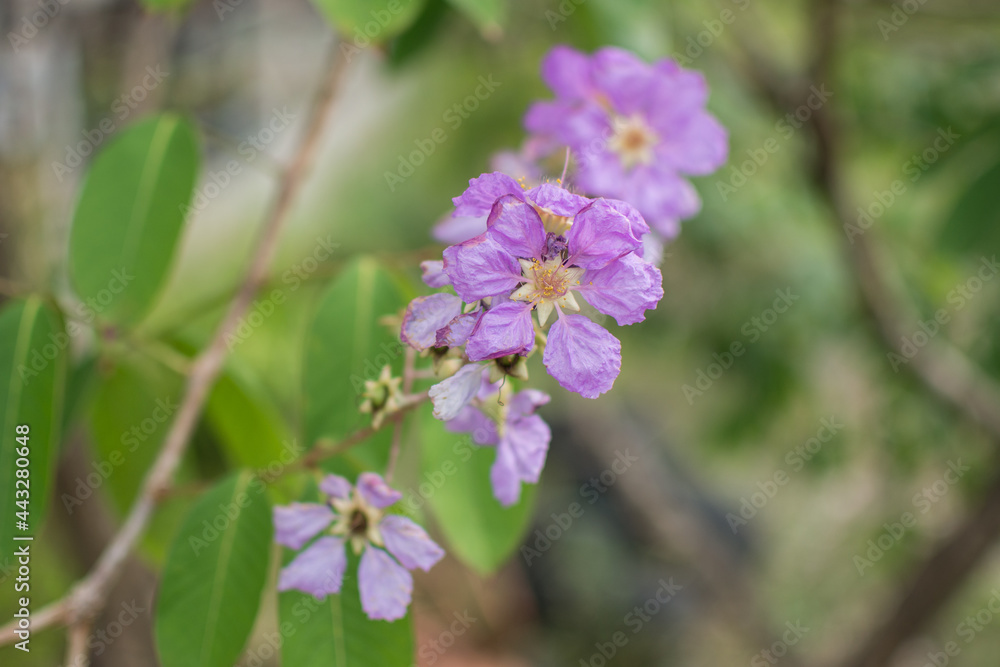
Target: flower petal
{"x": 624, "y": 289}
{"x": 624, "y": 78}
{"x": 376, "y": 491}
{"x": 582, "y": 356}
{"x": 600, "y": 234}
{"x": 515, "y": 226}
{"x": 502, "y": 330}
{"x": 457, "y": 332}
{"x": 557, "y": 199}
{"x": 425, "y": 316}
{"x": 472, "y": 420}
{"x": 520, "y": 457}
{"x": 386, "y": 587}
{"x": 483, "y": 192}
{"x": 319, "y": 570}
{"x": 433, "y": 273}
{"x": 452, "y": 394}
{"x": 480, "y": 267}
{"x": 567, "y": 72}
{"x": 335, "y": 486}
{"x": 458, "y": 228}
{"x": 296, "y": 524}
{"x": 409, "y": 543}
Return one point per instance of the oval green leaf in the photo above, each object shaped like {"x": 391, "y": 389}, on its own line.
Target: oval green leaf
{"x": 129, "y": 218}
{"x": 346, "y": 345}
{"x": 335, "y": 632}
{"x": 487, "y": 15}
{"x": 363, "y": 23}
{"x": 479, "y": 530}
{"x": 214, "y": 576}
{"x": 32, "y": 385}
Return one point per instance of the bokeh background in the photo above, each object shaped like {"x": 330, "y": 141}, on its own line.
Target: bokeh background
{"x": 813, "y": 432}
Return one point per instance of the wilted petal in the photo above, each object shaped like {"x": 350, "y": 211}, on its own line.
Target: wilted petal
{"x": 515, "y": 226}
{"x": 386, "y": 586}
{"x": 296, "y": 524}
{"x": 425, "y": 316}
{"x": 600, "y": 234}
{"x": 483, "y": 192}
{"x": 624, "y": 289}
{"x": 582, "y": 356}
{"x": 409, "y": 543}
{"x": 481, "y": 267}
{"x": 502, "y": 330}
{"x": 432, "y": 271}
{"x": 452, "y": 394}
{"x": 319, "y": 570}
{"x": 376, "y": 491}
{"x": 457, "y": 332}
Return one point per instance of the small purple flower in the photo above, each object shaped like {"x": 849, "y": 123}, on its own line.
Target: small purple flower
{"x": 636, "y": 129}
{"x": 390, "y": 545}
{"x": 494, "y": 418}
{"x": 542, "y": 259}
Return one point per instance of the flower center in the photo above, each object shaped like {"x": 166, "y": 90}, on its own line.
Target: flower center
{"x": 359, "y": 523}
{"x": 546, "y": 284}
{"x": 633, "y": 140}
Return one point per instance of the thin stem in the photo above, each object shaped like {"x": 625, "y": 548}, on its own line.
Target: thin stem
{"x": 90, "y": 594}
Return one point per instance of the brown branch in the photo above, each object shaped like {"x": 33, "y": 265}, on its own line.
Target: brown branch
{"x": 944, "y": 372}
{"x": 90, "y": 594}
{"x": 674, "y": 524}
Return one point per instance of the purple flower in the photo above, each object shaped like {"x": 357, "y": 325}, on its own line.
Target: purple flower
{"x": 390, "y": 545}
{"x": 636, "y": 129}
{"x": 510, "y": 424}
{"x": 542, "y": 259}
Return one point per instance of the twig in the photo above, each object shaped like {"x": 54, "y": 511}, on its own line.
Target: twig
{"x": 89, "y": 595}
{"x": 943, "y": 371}
{"x": 321, "y": 452}
{"x": 397, "y": 429}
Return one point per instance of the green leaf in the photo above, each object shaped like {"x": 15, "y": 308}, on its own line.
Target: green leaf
{"x": 479, "y": 530}
{"x": 250, "y": 429}
{"x": 214, "y": 576}
{"x": 133, "y": 407}
{"x": 337, "y": 633}
{"x": 32, "y": 386}
{"x": 487, "y": 15}
{"x": 166, "y": 5}
{"x": 363, "y": 22}
{"x": 129, "y": 217}
{"x": 974, "y": 223}
{"x": 346, "y": 345}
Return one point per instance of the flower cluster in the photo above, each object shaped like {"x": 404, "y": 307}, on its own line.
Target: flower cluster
{"x": 524, "y": 249}
{"x": 527, "y": 260}
{"x": 635, "y": 129}
{"x": 389, "y": 545}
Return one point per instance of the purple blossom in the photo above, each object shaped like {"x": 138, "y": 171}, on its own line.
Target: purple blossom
{"x": 510, "y": 424}
{"x": 390, "y": 545}
{"x": 542, "y": 259}
{"x": 635, "y": 129}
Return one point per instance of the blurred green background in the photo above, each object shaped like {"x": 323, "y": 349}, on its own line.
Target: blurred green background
{"x": 702, "y": 456}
